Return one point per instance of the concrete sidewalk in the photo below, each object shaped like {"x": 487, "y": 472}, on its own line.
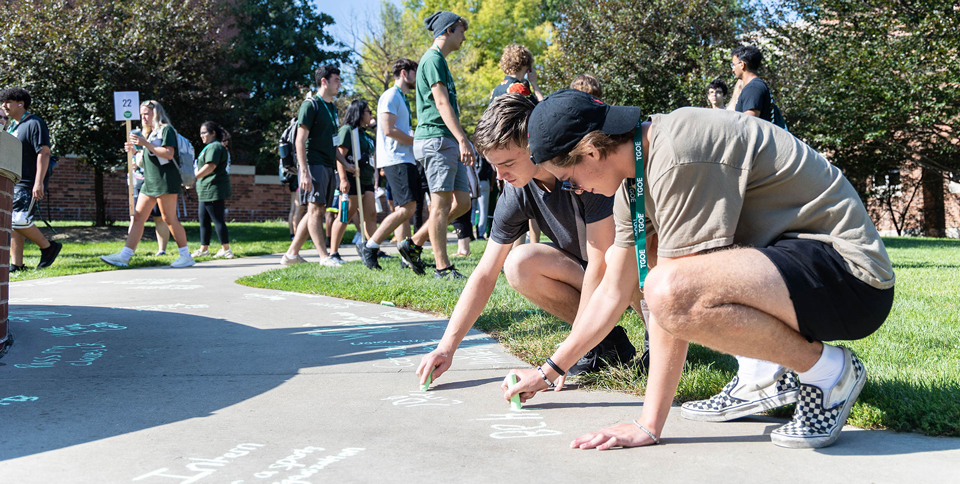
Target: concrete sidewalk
{"x": 181, "y": 375}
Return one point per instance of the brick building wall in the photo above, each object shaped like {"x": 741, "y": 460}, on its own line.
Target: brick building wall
{"x": 10, "y": 161}
{"x": 255, "y": 198}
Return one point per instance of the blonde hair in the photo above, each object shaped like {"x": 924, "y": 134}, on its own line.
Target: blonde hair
{"x": 514, "y": 58}
{"x": 160, "y": 118}
{"x": 587, "y": 84}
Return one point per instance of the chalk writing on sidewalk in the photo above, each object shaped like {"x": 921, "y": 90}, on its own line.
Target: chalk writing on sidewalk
{"x": 420, "y": 399}
{"x": 298, "y": 461}
{"x": 200, "y": 467}
{"x": 89, "y": 352}
{"x": 28, "y": 316}
{"x": 17, "y": 399}
{"x": 79, "y": 329}
{"x": 525, "y": 429}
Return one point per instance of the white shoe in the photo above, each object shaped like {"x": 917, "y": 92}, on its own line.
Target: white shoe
{"x": 329, "y": 262}
{"x": 200, "y": 253}
{"x": 183, "y": 261}
{"x": 286, "y": 261}
{"x": 115, "y": 260}
{"x": 224, "y": 254}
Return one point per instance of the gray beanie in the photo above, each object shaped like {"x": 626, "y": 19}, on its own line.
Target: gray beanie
{"x": 439, "y": 22}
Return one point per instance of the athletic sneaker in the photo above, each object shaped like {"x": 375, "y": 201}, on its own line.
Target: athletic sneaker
{"x": 224, "y": 254}
{"x": 16, "y": 268}
{"x": 448, "y": 273}
{"x": 183, "y": 261}
{"x": 383, "y": 255}
{"x": 410, "y": 253}
{"x": 200, "y": 253}
{"x": 739, "y": 399}
{"x": 115, "y": 260}
{"x": 820, "y": 415}
{"x": 615, "y": 348}
{"x": 290, "y": 261}
{"x": 336, "y": 257}
{"x": 48, "y": 255}
{"x": 159, "y": 253}
{"x": 369, "y": 256}
{"x": 403, "y": 264}
{"x": 329, "y": 262}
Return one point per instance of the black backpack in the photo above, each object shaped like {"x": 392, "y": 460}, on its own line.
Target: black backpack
{"x": 288, "y": 154}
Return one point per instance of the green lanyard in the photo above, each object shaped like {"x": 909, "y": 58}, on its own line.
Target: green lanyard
{"x": 637, "y": 211}
{"x": 333, "y": 115}
{"x": 14, "y": 124}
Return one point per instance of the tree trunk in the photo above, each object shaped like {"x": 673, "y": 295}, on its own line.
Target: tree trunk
{"x": 101, "y": 202}
{"x": 934, "y": 213}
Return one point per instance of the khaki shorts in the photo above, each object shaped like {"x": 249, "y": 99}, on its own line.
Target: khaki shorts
{"x": 440, "y": 158}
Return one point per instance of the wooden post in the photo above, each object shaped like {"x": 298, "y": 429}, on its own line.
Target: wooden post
{"x": 130, "y": 179}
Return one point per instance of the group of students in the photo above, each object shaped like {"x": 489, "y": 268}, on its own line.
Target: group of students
{"x": 718, "y": 226}
{"x": 158, "y": 185}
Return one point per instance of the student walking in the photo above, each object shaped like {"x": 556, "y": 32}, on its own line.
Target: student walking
{"x": 159, "y": 156}
{"x": 213, "y": 188}
{"x": 359, "y": 117}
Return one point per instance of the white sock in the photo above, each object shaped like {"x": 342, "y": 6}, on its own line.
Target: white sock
{"x": 184, "y": 251}
{"x": 126, "y": 253}
{"x": 373, "y": 245}
{"x": 754, "y": 370}
{"x": 826, "y": 372}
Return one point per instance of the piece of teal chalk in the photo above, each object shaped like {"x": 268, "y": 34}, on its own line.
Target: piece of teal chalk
{"x": 515, "y": 400}
{"x": 426, "y": 385}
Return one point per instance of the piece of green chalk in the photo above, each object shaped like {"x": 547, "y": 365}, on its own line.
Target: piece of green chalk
{"x": 388, "y": 303}
{"x": 426, "y": 385}
{"x": 515, "y": 400}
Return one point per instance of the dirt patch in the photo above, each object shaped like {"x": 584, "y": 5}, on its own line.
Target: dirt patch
{"x": 85, "y": 233}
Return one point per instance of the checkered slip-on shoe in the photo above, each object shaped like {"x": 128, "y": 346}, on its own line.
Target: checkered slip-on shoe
{"x": 742, "y": 399}
{"x": 815, "y": 424}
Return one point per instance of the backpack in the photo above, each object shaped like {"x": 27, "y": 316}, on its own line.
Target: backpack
{"x": 287, "y": 149}
{"x": 288, "y": 155}
{"x": 185, "y": 149}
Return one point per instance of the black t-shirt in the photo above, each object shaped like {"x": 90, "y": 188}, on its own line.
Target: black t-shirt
{"x": 504, "y": 86}
{"x": 756, "y": 95}
{"x": 33, "y": 135}
{"x": 562, "y": 215}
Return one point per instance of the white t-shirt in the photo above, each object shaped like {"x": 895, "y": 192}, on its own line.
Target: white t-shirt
{"x": 390, "y": 151}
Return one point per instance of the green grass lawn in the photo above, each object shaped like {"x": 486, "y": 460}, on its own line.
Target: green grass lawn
{"x": 913, "y": 360}
{"x": 78, "y": 257}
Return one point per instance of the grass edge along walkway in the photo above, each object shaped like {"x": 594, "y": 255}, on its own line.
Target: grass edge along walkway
{"x": 913, "y": 361}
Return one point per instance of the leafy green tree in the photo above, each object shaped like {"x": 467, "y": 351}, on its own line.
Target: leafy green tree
{"x": 277, "y": 46}
{"x": 873, "y": 84}
{"x": 656, "y": 54}
{"x": 90, "y": 48}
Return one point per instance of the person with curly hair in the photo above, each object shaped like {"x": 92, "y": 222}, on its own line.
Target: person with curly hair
{"x": 517, "y": 63}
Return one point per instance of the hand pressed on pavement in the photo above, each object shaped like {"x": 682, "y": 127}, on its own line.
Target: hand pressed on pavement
{"x": 624, "y": 435}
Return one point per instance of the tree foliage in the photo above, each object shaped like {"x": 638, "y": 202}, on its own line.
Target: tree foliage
{"x": 72, "y": 55}
{"x": 872, "y": 84}
{"x": 277, "y": 46}
{"x": 656, "y": 54}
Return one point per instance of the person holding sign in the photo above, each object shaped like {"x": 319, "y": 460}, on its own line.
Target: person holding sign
{"x": 358, "y": 117}
{"x": 756, "y": 245}
{"x": 213, "y": 188}
{"x": 156, "y": 152}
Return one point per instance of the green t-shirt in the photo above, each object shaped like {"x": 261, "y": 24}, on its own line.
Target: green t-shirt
{"x": 161, "y": 179}
{"x": 433, "y": 69}
{"x": 215, "y": 186}
{"x": 320, "y": 117}
{"x": 366, "y": 147}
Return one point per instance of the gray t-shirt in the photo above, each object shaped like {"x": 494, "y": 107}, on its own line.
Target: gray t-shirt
{"x": 562, "y": 215}
{"x": 391, "y": 152}
{"x": 716, "y": 178}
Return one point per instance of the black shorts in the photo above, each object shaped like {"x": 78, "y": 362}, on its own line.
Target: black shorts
{"x": 363, "y": 186}
{"x": 830, "y": 303}
{"x": 324, "y": 183}
{"x": 405, "y": 182}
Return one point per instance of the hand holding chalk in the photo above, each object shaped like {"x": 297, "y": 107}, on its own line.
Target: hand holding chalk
{"x": 515, "y": 400}
{"x": 426, "y": 385}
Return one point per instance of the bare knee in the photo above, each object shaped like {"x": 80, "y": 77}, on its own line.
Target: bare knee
{"x": 516, "y": 267}
{"x": 673, "y": 297}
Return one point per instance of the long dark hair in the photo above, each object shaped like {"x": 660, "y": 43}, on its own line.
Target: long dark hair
{"x": 355, "y": 113}
{"x": 219, "y": 133}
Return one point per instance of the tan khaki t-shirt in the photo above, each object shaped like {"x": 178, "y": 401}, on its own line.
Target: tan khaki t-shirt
{"x": 716, "y": 178}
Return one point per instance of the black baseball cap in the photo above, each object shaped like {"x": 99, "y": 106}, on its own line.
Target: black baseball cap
{"x": 561, "y": 120}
